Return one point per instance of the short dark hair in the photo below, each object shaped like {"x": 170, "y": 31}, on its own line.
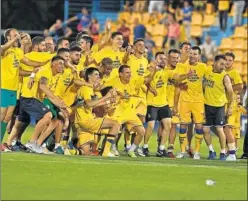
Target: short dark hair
{"x": 73, "y": 43}
{"x": 138, "y": 40}
{"x": 88, "y": 39}
{"x": 106, "y": 61}
{"x": 59, "y": 41}
{"x": 105, "y": 90}
{"x": 75, "y": 49}
{"x": 174, "y": 51}
{"x": 184, "y": 43}
{"x": 158, "y": 53}
{"x": 37, "y": 40}
{"x": 90, "y": 71}
{"x": 117, "y": 33}
{"x": 230, "y": 54}
{"x": 55, "y": 58}
{"x": 62, "y": 50}
{"x": 122, "y": 67}
{"x": 80, "y": 34}
{"x": 218, "y": 57}
{"x": 196, "y": 48}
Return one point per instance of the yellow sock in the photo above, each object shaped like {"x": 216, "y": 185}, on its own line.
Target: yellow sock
{"x": 108, "y": 144}
{"x": 198, "y": 141}
{"x": 183, "y": 141}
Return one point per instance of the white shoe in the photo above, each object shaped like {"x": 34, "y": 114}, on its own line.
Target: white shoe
{"x": 140, "y": 152}
{"x": 46, "y": 151}
{"x": 197, "y": 156}
{"x": 231, "y": 157}
{"x": 181, "y": 155}
{"x": 115, "y": 152}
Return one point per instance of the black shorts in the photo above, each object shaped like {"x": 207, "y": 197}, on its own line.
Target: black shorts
{"x": 31, "y": 107}
{"x": 157, "y": 113}
{"x": 17, "y": 108}
{"x": 214, "y": 116}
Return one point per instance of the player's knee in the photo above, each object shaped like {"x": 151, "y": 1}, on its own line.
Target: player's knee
{"x": 48, "y": 116}
{"x": 7, "y": 117}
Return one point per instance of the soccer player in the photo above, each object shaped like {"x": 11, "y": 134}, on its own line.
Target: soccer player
{"x": 237, "y": 112}
{"x": 11, "y": 56}
{"x": 216, "y": 84}
{"x": 158, "y": 108}
{"x": 63, "y": 42}
{"x": 84, "y": 117}
{"x": 237, "y": 85}
{"x": 50, "y": 45}
{"x": 173, "y": 59}
{"x": 113, "y": 52}
{"x": 191, "y": 100}
{"x": 126, "y": 88}
{"x": 105, "y": 70}
{"x": 185, "y": 48}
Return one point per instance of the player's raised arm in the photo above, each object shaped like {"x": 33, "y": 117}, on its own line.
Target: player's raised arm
{"x": 29, "y": 62}
{"x": 106, "y": 36}
{"x": 9, "y": 43}
{"x": 152, "y": 69}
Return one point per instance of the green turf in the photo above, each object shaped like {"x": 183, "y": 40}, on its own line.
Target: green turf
{"x": 54, "y": 177}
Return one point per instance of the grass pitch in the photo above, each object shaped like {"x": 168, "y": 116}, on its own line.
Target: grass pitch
{"x": 54, "y": 177}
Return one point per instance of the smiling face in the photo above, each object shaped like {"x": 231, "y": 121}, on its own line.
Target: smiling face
{"x": 219, "y": 65}
{"x": 95, "y": 77}
{"x": 161, "y": 60}
{"x": 173, "y": 59}
{"x": 125, "y": 75}
{"x": 193, "y": 56}
{"x": 139, "y": 47}
{"x": 12, "y": 34}
{"x": 58, "y": 66}
{"x": 117, "y": 41}
{"x": 229, "y": 62}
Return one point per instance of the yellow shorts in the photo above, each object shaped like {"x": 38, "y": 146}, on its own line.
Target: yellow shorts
{"x": 188, "y": 110}
{"x": 236, "y": 132}
{"x": 84, "y": 138}
{"x": 90, "y": 125}
{"x": 127, "y": 117}
{"x": 141, "y": 107}
{"x": 176, "y": 119}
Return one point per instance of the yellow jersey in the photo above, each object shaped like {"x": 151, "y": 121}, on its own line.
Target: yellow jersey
{"x": 129, "y": 90}
{"x": 10, "y": 62}
{"x": 64, "y": 82}
{"x": 193, "y": 89}
{"x": 223, "y": 5}
{"x": 38, "y": 57}
{"x": 83, "y": 113}
{"x": 214, "y": 92}
{"x": 139, "y": 69}
{"x": 237, "y": 112}
{"x": 235, "y": 79}
{"x": 159, "y": 83}
{"x": 35, "y": 92}
{"x": 115, "y": 56}
{"x": 171, "y": 88}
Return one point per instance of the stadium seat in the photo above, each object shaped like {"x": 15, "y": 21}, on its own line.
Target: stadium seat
{"x": 149, "y": 28}
{"x": 238, "y": 66}
{"x": 196, "y": 19}
{"x": 239, "y": 44}
{"x": 209, "y": 8}
{"x": 240, "y": 32}
{"x": 226, "y": 44}
{"x": 124, "y": 16}
{"x": 196, "y": 31}
{"x": 158, "y": 30}
{"x": 239, "y": 55}
{"x": 244, "y": 78}
{"x": 134, "y": 16}
{"x": 208, "y": 20}
{"x": 245, "y": 57}
{"x": 145, "y": 18}
{"x": 158, "y": 41}
{"x": 244, "y": 69}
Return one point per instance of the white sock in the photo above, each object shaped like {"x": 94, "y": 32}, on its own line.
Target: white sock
{"x": 211, "y": 148}
{"x": 133, "y": 147}
{"x": 161, "y": 147}
{"x": 56, "y": 145}
{"x": 223, "y": 151}
{"x": 114, "y": 147}
{"x": 128, "y": 146}
{"x": 145, "y": 146}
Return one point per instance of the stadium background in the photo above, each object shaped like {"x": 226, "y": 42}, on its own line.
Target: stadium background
{"x": 34, "y": 16}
